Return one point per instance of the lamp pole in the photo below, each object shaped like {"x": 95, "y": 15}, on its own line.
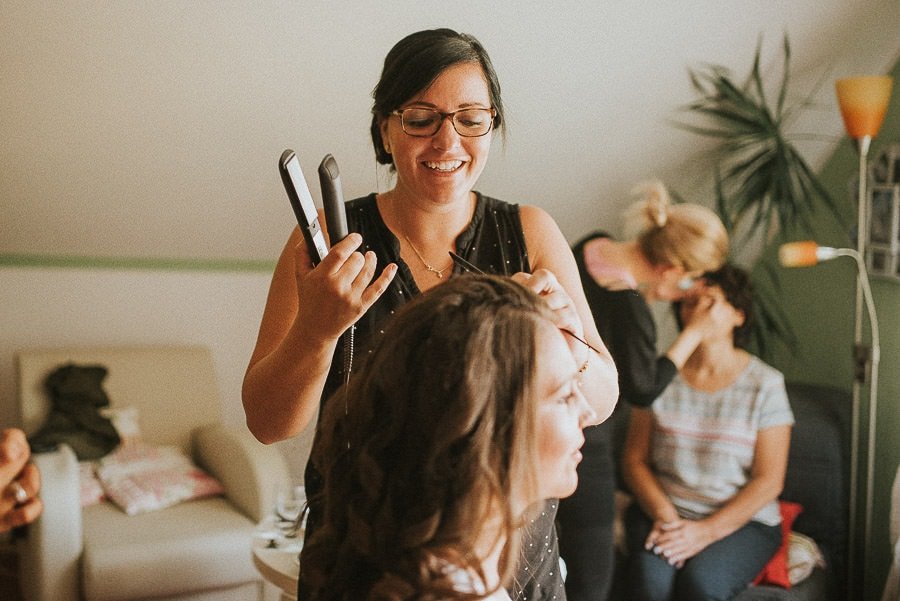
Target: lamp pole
{"x": 863, "y": 102}
{"x": 860, "y": 361}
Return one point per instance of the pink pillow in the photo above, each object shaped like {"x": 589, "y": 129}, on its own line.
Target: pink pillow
{"x": 776, "y": 571}
{"x": 91, "y": 489}
{"x": 139, "y": 478}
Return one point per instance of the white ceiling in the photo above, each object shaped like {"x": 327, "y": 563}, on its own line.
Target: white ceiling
{"x": 153, "y": 129}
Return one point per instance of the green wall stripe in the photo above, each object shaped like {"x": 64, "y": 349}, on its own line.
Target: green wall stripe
{"x": 161, "y": 264}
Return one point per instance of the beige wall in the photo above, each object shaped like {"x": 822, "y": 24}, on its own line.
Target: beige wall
{"x": 48, "y": 306}
{"x": 153, "y": 128}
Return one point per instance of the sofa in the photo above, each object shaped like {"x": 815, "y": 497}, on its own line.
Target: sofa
{"x": 817, "y": 478}
{"x": 191, "y": 551}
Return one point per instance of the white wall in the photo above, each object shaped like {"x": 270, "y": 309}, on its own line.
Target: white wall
{"x": 153, "y": 128}
{"x": 49, "y": 307}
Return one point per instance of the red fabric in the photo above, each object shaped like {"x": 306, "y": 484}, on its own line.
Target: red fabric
{"x": 776, "y": 571}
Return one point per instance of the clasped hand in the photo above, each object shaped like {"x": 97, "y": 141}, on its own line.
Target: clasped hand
{"x": 678, "y": 540}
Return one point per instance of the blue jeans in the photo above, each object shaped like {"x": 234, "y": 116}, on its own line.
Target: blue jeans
{"x": 718, "y": 573}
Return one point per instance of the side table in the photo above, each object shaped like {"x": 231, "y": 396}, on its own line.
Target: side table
{"x": 280, "y": 567}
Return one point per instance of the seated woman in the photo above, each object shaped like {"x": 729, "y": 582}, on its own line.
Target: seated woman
{"x": 706, "y": 463}
{"x": 465, "y": 416}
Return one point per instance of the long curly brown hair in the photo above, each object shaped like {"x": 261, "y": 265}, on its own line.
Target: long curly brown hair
{"x": 432, "y": 440}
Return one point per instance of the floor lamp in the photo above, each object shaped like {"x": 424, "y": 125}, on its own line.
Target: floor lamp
{"x": 805, "y": 254}
{"x": 863, "y": 102}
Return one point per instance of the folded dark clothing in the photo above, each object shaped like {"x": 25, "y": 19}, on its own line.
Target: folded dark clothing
{"x": 77, "y": 396}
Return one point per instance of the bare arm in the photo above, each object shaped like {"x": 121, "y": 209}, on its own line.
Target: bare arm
{"x": 306, "y": 312}
{"x": 548, "y": 250}
{"x": 687, "y": 538}
{"x": 636, "y": 469}
{"x": 708, "y": 318}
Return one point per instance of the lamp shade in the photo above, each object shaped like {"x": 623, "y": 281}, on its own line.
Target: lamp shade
{"x": 863, "y": 102}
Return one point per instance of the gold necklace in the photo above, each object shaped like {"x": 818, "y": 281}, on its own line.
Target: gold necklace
{"x": 438, "y": 272}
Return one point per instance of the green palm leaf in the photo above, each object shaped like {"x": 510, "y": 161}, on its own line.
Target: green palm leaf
{"x": 760, "y": 172}
{"x": 761, "y": 179}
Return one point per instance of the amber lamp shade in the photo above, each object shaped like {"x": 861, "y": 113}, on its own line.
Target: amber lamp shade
{"x": 863, "y": 102}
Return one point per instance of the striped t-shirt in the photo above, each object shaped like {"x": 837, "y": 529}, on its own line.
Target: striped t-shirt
{"x": 703, "y": 443}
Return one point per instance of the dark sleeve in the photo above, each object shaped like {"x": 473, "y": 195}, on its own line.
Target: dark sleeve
{"x": 665, "y": 372}
{"x": 629, "y": 332}
{"x": 538, "y": 575}
{"x": 631, "y": 335}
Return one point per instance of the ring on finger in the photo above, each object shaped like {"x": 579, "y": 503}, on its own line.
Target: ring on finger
{"x": 19, "y": 492}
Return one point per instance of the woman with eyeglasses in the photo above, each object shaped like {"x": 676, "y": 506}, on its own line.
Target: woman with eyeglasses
{"x": 673, "y": 245}
{"x": 436, "y": 108}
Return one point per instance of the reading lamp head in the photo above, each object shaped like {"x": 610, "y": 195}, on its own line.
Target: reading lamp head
{"x": 805, "y": 254}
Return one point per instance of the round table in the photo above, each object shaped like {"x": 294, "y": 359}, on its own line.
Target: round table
{"x": 278, "y": 566}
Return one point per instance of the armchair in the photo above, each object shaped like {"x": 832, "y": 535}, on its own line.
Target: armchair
{"x": 196, "y": 550}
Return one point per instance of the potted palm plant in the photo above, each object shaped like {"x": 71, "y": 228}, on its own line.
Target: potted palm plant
{"x": 763, "y": 185}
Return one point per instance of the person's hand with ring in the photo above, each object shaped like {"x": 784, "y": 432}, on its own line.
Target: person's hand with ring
{"x": 20, "y": 481}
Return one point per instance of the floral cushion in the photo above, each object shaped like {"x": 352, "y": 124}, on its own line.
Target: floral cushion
{"x": 91, "y": 488}
{"x": 804, "y": 555}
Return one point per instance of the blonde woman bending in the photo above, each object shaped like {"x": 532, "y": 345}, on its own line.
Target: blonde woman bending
{"x": 673, "y": 245}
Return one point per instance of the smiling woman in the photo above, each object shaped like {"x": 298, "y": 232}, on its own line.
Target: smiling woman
{"x": 436, "y": 109}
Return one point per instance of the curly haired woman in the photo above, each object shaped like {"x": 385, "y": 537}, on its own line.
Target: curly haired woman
{"x": 465, "y": 417}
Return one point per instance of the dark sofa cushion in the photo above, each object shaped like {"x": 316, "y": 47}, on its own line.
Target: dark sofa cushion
{"x": 818, "y": 467}
{"x": 818, "y": 479}
{"x": 818, "y": 587}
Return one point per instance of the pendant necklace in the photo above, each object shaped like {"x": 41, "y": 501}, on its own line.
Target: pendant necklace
{"x": 438, "y": 272}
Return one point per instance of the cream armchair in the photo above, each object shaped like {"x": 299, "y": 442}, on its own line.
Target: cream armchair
{"x": 197, "y": 550}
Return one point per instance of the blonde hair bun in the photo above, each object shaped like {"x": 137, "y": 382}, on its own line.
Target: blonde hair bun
{"x": 685, "y": 235}
{"x": 655, "y": 201}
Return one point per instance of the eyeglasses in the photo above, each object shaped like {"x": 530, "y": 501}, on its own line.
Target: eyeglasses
{"x": 470, "y": 268}
{"x": 424, "y": 122}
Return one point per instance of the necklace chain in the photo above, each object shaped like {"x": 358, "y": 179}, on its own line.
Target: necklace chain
{"x": 438, "y": 272}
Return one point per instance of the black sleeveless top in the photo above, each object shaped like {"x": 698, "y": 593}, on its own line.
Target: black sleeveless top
{"x": 495, "y": 243}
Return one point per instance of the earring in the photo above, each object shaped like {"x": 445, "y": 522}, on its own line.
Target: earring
{"x": 686, "y": 283}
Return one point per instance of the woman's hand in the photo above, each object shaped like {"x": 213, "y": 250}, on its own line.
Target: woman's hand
{"x": 544, "y": 283}
{"x": 20, "y": 482}
{"x": 335, "y": 293}
{"x": 710, "y": 315}
{"x": 679, "y": 540}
